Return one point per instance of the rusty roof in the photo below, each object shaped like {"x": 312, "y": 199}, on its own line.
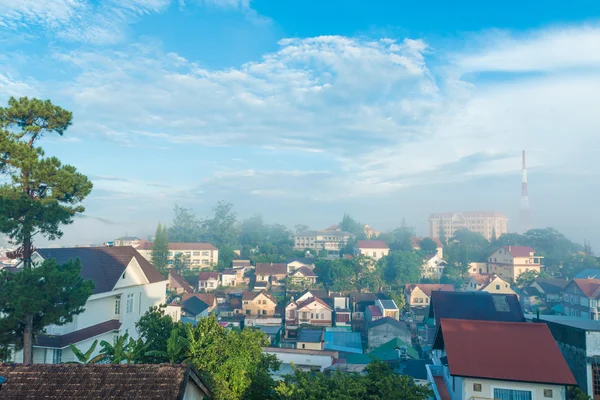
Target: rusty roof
{"x": 103, "y": 265}
{"x": 208, "y": 298}
{"x": 271, "y": 269}
{"x": 97, "y": 381}
{"x": 191, "y": 246}
{"x": 372, "y": 244}
{"x": 510, "y": 351}
{"x": 252, "y": 295}
{"x": 312, "y": 300}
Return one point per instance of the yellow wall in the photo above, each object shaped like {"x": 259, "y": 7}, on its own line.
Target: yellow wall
{"x": 417, "y": 293}
{"x": 310, "y": 346}
{"x": 487, "y": 388}
{"x": 257, "y": 306}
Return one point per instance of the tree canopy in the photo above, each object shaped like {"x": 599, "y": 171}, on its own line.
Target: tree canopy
{"x": 160, "y": 248}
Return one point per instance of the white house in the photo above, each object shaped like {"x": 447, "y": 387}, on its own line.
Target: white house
{"x": 208, "y": 281}
{"x": 375, "y": 249}
{"x": 126, "y": 286}
{"x": 433, "y": 267}
{"x": 229, "y": 277}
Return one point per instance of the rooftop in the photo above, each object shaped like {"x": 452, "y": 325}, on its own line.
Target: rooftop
{"x": 482, "y": 306}
{"x": 574, "y": 322}
{"x": 348, "y": 342}
{"x": 62, "y": 341}
{"x": 372, "y": 244}
{"x": 590, "y": 287}
{"x": 208, "y": 275}
{"x": 388, "y": 304}
{"x": 588, "y": 273}
{"x": 519, "y": 251}
{"x": 97, "y": 381}
{"x": 271, "y": 269}
{"x": 310, "y": 335}
{"x": 514, "y": 351}
{"x": 375, "y": 311}
{"x": 427, "y": 288}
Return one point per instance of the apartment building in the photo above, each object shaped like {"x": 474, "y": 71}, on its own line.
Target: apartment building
{"x": 484, "y": 222}
{"x": 330, "y": 240}
{"x": 193, "y": 255}
{"x": 509, "y": 262}
{"x": 126, "y": 286}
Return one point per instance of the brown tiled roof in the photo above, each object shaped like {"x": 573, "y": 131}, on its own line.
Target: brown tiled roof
{"x": 252, "y": 295}
{"x": 240, "y": 263}
{"x": 375, "y": 311}
{"x": 97, "y": 381}
{"x": 519, "y": 251}
{"x": 144, "y": 245}
{"x": 208, "y": 298}
{"x": 588, "y": 286}
{"x": 181, "y": 282}
{"x": 62, "y": 341}
{"x": 206, "y": 275}
{"x": 427, "y": 288}
{"x": 372, "y": 244}
{"x": 416, "y": 242}
{"x": 271, "y": 269}
{"x": 191, "y": 246}
{"x": 103, "y": 265}
{"x": 312, "y": 300}
{"x": 512, "y": 351}
{"x": 305, "y": 271}
{"x": 483, "y": 279}
{"x": 229, "y": 271}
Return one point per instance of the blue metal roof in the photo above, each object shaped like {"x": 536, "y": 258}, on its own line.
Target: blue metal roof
{"x": 348, "y": 342}
{"x": 389, "y": 304}
{"x": 310, "y": 335}
{"x": 270, "y": 330}
{"x": 588, "y": 273}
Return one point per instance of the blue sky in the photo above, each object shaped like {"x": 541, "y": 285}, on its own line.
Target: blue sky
{"x": 303, "y": 110}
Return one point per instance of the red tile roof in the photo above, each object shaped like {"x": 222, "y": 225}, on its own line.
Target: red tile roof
{"x": 181, "y": 282}
{"x": 252, "y": 295}
{"x": 519, "y": 251}
{"x": 427, "y": 288}
{"x": 512, "y": 351}
{"x": 372, "y": 244}
{"x": 305, "y": 271}
{"x": 588, "y": 286}
{"x": 191, "y": 246}
{"x": 483, "y": 279}
{"x": 375, "y": 311}
{"x": 271, "y": 269}
{"x": 312, "y": 300}
{"x": 205, "y": 276}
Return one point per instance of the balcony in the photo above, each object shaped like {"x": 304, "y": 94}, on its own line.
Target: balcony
{"x": 439, "y": 382}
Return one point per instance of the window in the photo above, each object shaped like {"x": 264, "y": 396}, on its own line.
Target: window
{"x": 118, "y": 305}
{"x": 596, "y": 379}
{"x": 322, "y": 316}
{"x": 312, "y": 315}
{"x": 548, "y": 393}
{"x": 512, "y": 394}
{"x": 196, "y": 254}
{"x": 477, "y": 387}
{"x": 374, "y": 254}
{"x": 247, "y": 312}
{"x": 317, "y": 316}
{"x": 497, "y": 287}
{"x": 57, "y": 356}
{"x": 264, "y": 312}
{"x": 123, "y": 276}
{"x": 129, "y": 305}
{"x": 205, "y": 253}
{"x": 303, "y": 346}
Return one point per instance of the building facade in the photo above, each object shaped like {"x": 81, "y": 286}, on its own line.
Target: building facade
{"x": 375, "y": 249}
{"x": 193, "y": 255}
{"x": 488, "y": 283}
{"x": 581, "y": 298}
{"x": 329, "y": 240}
{"x": 261, "y": 303}
{"x": 483, "y": 222}
{"x": 509, "y": 262}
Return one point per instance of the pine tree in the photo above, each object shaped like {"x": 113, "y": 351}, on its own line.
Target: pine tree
{"x": 442, "y": 237}
{"x": 494, "y": 237}
{"x": 160, "y": 249}
{"x": 40, "y": 194}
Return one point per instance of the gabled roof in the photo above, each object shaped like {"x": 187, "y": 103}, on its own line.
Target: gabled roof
{"x": 482, "y": 306}
{"x": 372, "y": 244}
{"x": 303, "y": 260}
{"x": 229, "y": 271}
{"x": 208, "y": 275}
{"x": 416, "y": 242}
{"x": 252, "y": 295}
{"x": 180, "y": 280}
{"x": 512, "y": 351}
{"x": 271, "y": 269}
{"x": 427, "y": 288}
{"x": 240, "y": 263}
{"x": 388, "y": 304}
{"x": 62, "y": 341}
{"x": 519, "y": 251}
{"x": 304, "y": 271}
{"x": 391, "y": 346}
{"x": 484, "y": 279}
{"x": 98, "y": 381}
{"x": 551, "y": 285}
{"x": 208, "y": 298}
{"x": 313, "y": 300}
{"x": 590, "y": 287}
{"x": 314, "y": 293}
{"x": 387, "y": 320}
{"x": 103, "y": 265}
{"x": 588, "y": 273}
{"x": 194, "y": 305}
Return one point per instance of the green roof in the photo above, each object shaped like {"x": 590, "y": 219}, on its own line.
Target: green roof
{"x": 385, "y": 352}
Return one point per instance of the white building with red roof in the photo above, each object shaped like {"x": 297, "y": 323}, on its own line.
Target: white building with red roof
{"x": 375, "y": 249}
{"x": 312, "y": 312}
{"x": 509, "y": 262}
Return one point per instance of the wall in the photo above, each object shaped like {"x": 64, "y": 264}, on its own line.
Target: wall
{"x": 418, "y": 294}
{"x": 310, "y": 346}
{"x": 309, "y": 311}
{"x": 301, "y": 358}
{"x": 487, "y": 388}
{"x": 375, "y": 254}
{"x": 256, "y": 308}
{"x": 384, "y": 333}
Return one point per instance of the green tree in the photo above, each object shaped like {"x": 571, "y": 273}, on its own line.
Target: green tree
{"x": 39, "y": 194}
{"x": 428, "y": 246}
{"x": 494, "y": 236}
{"x": 185, "y": 228}
{"x": 221, "y": 227}
{"x": 176, "y": 351}
{"x": 155, "y": 328}
{"x": 526, "y": 278}
{"x": 115, "y": 353}
{"x": 160, "y": 248}
{"x": 85, "y": 358}
{"x": 253, "y": 231}
{"x": 401, "y": 267}
{"x": 301, "y": 228}
{"x": 50, "y": 294}
{"x": 351, "y": 225}
{"x": 443, "y": 238}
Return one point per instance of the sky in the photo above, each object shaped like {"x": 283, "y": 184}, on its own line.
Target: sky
{"x": 300, "y": 111}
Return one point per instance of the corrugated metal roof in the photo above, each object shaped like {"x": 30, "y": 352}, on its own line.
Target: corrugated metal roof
{"x": 482, "y": 306}
{"x": 310, "y": 335}
{"x": 349, "y": 342}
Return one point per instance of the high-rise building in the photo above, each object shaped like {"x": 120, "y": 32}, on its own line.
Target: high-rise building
{"x": 484, "y": 222}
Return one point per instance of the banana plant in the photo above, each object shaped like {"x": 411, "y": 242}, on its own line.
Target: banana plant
{"x": 177, "y": 349}
{"x": 85, "y": 358}
{"x": 115, "y": 353}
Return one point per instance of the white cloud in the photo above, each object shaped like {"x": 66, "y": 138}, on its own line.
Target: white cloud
{"x": 26, "y": 13}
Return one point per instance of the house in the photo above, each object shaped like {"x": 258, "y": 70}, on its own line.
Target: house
{"x": 397, "y": 353}
{"x": 550, "y": 289}
{"x": 385, "y": 329}
{"x": 388, "y": 308}
{"x": 371, "y": 233}
{"x": 310, "y": 339}
{"x": 270, "y": 273}
{"x": 295, "y": 263}
{"x": 190, "y": 310}
{"x": 304, "y": 276}
{"x": 433, "y": 267}
{"x": 509, "y": 262}
{"x": 372, "y": 313}
{"x": 230, "y": 308}
{"x": 193, "y": 255}
{"x": 579, "y": 342}
{"x": 346, "y": 342}
{"x": 490, "y": 283}
{"x": 229, "y": 277}
{"x": 375, "y": 249}
{"x": 416, "y": 245}
{"x": 303, "y": 359}
{"x": 359, "y": 303}
{"x": 178, "y": 285}
{"x": 208, "y": 281}
{"x": 419, "y": 295}
{"x": 341, "y": 310}
{"x": 102, "y": 381}
{"x": 581, "y": 298}
{"x": 332, "y": 241}
{"x": 312, "y": 311}
{"x": 208, "y": 298}
{"x": 241, "y": 264}
{"x": 497, "y": 360}
{"x": 261, "y": 303}
{"x": 126, "y": 286}
{"x": 273, "y": 334}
